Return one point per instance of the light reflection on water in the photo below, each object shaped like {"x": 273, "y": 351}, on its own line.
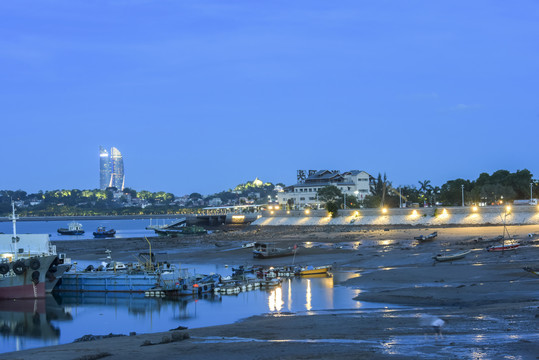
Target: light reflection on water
{"x": 64, "y": 318}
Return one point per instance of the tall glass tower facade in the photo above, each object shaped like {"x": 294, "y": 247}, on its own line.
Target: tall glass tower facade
{"x": 104, "y": 168}
{"x": 118, "y": 178}
{"x": 111, "y": 169}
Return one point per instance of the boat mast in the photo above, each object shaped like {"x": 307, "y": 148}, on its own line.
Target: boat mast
{"x": 14, "y": 238}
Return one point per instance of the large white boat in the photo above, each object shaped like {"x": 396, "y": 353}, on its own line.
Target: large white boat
{"x": 24, "y": 262}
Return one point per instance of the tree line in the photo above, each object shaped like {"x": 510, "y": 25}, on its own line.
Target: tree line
{"x": 500, "y": 187}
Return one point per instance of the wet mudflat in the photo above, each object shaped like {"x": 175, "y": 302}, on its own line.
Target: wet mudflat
{"x": 488, "y": 304}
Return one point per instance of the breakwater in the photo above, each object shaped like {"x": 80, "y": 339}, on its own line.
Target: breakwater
{"x": 433, "y": 216}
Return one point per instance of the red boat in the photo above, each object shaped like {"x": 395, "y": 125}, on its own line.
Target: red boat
{"x": 503, "y": 247}
{"x": 25, "y": 260}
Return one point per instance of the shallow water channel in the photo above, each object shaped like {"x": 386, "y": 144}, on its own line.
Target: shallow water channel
{"x": 65, "y": 317}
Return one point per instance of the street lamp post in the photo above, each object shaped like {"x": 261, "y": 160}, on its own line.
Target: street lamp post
{"x": 531, "y": 192}
{"x": 462, "y": 187}
{"x": 344, "y": 201}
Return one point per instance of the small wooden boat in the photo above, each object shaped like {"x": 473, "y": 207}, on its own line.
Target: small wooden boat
{"x": 428, "y": 237}
{"x": 316, "y": 270}
{"x": 451, "y": 257}
{"x": 504, "y": 247}
{"x": 102, "y": 232}
{"x": 533, "y": 270}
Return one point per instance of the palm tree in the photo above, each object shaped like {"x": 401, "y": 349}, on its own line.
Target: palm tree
{"x": 425, "y": 188}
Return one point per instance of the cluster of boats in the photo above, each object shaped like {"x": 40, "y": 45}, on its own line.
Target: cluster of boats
{"x": 75, "y": 228}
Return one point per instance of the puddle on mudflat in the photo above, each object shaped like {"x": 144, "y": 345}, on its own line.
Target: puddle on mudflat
{"x": 420, "y": 346}
{"x": 228, "y": 340}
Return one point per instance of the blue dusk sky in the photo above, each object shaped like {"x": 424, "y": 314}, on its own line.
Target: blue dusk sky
{"x": 200, "y": 96}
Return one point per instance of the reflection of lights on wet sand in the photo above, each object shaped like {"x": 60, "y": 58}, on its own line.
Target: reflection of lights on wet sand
{"x": 266, "y": 221}
{"x": 275, "y": 300}
{"x": 325, "y": 220}
{"x": 478, "y": 355}
{"x": 386, "y": 242}
{"x": 308, "y": 295}
{"x": 479, "y": 338}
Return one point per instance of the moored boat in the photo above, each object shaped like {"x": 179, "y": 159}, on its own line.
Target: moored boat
{"x": 268, "y": 250}
{"x": 451, "y": 257}
{"x": 504, "y": 247}
{"x": 102, "y": 232}
{"x": 315, "y": 270}
{"x": 24, "y": 262}
{"x": 74, "y": 228}
{"x": 429, "y": 237}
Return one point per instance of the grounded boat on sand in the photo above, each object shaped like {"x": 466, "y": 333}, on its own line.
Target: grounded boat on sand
{"x": 24, "y": 262}
{"x": 268, "y": 250}
{"x": 74, "y": 228}
{"x": 451, "y": 257}
{"x": 102, "y": 232}
{"x": 431, "y": 236}
{"x": 504, "y": 247}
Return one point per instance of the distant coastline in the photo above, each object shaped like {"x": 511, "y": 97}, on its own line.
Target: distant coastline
{"x": 96, "y": 217}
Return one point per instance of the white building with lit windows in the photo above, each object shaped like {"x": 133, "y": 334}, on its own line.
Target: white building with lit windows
{"x": 351, "y": 183}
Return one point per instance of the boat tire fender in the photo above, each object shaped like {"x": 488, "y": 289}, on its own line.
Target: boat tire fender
{"x": 19, "y": 267}
{"x": 34, "y": 264}
{"x": 50, "y": 276}
{"x": 184, "y": 287}
{"x": 4, "y": 268}
{"x": 35, "y": 277}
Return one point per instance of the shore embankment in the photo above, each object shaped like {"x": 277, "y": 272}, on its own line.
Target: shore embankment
{"x": 430, "y": 216}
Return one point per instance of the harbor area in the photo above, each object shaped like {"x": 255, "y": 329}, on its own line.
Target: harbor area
{"x": 384, "y": 291}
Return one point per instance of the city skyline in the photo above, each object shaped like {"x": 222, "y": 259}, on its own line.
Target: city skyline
{"x": 204, "y": 96}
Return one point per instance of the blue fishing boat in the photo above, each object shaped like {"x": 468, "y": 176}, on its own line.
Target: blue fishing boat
{"x": 101, "y": 281}
{"x": 102, "y": 232}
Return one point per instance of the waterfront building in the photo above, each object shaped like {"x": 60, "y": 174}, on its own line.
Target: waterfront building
{"x": 111, "y": 169}
{"x": 305, "y": 193}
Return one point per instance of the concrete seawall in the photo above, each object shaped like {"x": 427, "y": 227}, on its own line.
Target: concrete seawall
{"x": 491, "y": 215}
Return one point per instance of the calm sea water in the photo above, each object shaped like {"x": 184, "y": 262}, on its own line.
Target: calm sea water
{"x": 124, "y": 228}
{"x": 63, "y": 318}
